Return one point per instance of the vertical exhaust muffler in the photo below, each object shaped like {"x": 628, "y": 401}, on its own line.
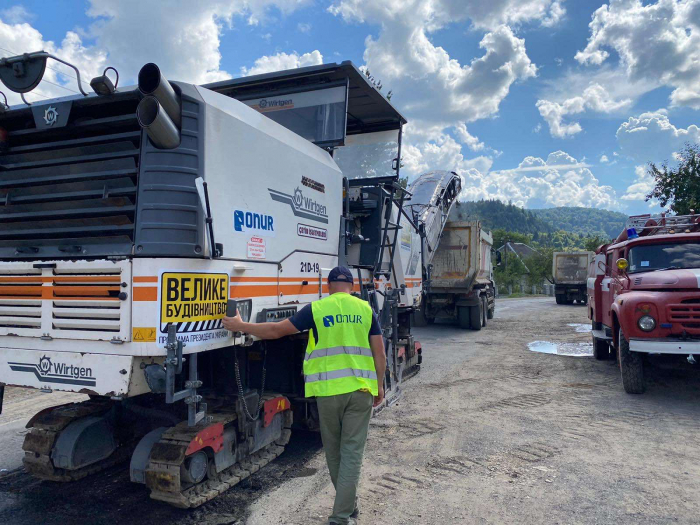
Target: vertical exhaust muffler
{"x": 159, "y": 113}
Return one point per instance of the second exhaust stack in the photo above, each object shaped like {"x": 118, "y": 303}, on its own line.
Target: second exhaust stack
{"x": 159, "y": 113}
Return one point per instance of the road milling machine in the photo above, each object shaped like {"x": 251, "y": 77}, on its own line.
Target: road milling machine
{"x": 132, "y": 216}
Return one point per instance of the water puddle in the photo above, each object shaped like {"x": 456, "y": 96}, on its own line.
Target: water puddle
{"x": 568, "y": 349}
{"x": 580, "y": 328}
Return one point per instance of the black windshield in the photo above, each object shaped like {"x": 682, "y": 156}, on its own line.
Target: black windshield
{"x": 649, "y": 257}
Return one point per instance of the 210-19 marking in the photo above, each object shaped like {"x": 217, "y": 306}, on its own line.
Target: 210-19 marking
{"x": 307, "y": 267}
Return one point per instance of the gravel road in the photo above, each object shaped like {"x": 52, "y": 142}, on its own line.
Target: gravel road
{"x": 488, "y": 432}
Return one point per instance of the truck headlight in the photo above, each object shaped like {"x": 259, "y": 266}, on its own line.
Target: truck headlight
{"x": 646, "y": 323}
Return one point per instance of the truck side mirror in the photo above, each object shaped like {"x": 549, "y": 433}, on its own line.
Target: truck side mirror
{"x": 498, "y": 258}
{"x": 600, "y": 267}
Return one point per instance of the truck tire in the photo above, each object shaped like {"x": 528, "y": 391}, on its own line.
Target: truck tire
{"x": 476, "y": 316}
{"x": 491, "y": 311}
{"x": 484, "y": 311}
{"x": 631, "y": 366}
{"x": 601, "y": 348}
{"x": 561, "y": 299}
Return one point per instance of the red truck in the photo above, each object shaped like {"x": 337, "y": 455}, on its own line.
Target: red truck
{"x": 644, "y": 294}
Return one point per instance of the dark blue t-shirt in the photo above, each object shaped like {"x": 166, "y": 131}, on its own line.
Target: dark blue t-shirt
{"x": 304, "y": 320}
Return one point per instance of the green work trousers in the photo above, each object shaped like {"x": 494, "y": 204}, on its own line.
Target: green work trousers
{"x": 344, "y": 421}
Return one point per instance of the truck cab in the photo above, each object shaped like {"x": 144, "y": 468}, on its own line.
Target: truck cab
{"x": 644, "y": 294}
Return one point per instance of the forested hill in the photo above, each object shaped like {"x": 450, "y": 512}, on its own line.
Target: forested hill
{"x": 585, "y": 221}
{"x": 495, "y": 214}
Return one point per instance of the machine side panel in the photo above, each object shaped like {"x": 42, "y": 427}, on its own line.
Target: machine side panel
{"x": 271, "y": 191}
{"x": 169, "y": 220}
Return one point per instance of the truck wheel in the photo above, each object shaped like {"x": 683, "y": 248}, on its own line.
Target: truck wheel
{"x": 476, "y": 316}
{"x": 491, "y": 311}
{"x": 631, "y": 366}
{"x": 484, "y": 311}
{"x": 561, "y": 299}
{"x": 601, "y": 348}
{"x": 464, "y": 317}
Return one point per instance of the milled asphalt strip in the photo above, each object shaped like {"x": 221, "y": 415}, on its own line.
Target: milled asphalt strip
{"x": 24, "y": 409}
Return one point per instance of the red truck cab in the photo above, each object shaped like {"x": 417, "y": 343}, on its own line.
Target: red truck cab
{"x": 644, "y": 294}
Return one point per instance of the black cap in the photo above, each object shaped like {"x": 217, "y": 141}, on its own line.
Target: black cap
{"x": 340, "y": 274}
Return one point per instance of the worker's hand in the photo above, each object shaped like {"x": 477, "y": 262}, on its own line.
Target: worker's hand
{"x": 380, "y": 397}
{"x": 234, "y": 324}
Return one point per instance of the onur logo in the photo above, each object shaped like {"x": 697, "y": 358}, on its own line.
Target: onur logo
{"x": 302, "y": 206}
{"x": 245, "y": 221}
{"x": 50, "y": 116}
{"x": 331, "y": 320}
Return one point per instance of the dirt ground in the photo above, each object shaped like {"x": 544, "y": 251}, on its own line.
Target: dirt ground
{"x": 488, "y": 432}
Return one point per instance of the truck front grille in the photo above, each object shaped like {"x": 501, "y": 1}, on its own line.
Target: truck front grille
{"x": 71, "y": 191}
{"x": 687, "y": 314}
{"x": 78, "y": 300}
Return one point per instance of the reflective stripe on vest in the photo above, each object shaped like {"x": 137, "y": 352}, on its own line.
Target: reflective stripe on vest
{"x": 338, "y": 350}
{"x": 341, "y": 360}
{"x": 337, "y": 374}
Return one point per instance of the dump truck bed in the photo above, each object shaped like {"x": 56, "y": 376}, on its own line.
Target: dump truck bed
{"x": 570, "y": 267}
{"x": 463, "y": 256}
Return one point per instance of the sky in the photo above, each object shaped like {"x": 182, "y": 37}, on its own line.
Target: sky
{"x": 541, "y": 103}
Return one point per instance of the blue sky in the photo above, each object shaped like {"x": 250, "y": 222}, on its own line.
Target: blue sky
{"x": 541, "y": 102}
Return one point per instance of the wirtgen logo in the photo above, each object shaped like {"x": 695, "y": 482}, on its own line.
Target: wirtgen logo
{"x": 47, "y": 371}
{"x": 275, "y": 104}
{"x": 302, "y": 206}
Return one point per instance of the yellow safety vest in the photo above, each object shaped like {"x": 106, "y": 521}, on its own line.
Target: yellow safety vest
{"x": 341, "y": 360}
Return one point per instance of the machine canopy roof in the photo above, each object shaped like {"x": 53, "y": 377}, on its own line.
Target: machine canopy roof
{"x": 368, "y": 110}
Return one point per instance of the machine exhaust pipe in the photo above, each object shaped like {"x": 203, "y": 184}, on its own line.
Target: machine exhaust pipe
{"x": 155, "y": 120}
{"x": 152, "y": 82}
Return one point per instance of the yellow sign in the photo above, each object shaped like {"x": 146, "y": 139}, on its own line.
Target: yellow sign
{"x": 143, "y": 335}
{"x": 191, "y": 297}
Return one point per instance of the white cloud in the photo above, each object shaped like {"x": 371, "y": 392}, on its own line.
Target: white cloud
{"x": 483, "y": 15}
{"x": 657, "y": 42}
{"x": 594, "y": 98}
{"x": 433, "y": 88}
{"x": 640, "y": 188}
{"x": 303, "y": 27}
{"x": 651, "y": 137}
{"x": 560, "y": 180}
{"x": 604, "y": 159}
{"x": 183, "y": 41}
{"x": 556, "y": 13}
{"x": 282, "y": 61}
{"x": 16, "y": 14}
{"x": 467, "y": 138}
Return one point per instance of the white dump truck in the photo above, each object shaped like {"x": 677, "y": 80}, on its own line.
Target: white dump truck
{"x": 570, "y": 274}
{"x": 113, "y": 282}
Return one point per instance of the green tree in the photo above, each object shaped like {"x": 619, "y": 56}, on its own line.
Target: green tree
{"x": 679, "y": 186}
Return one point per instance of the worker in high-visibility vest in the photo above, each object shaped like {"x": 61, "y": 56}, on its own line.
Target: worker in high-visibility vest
{"x": 344, "y": 369}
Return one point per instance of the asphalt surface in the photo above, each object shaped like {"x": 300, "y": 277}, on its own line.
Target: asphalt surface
{"x": 488, "y": 432}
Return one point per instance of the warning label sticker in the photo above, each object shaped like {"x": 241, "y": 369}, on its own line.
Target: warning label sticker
{"x": 192, "y": 298}
{"x": 256, "y": 248}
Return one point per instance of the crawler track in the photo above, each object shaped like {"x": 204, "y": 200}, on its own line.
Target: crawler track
{"x": 163, "y": 474}
{"x": 46, "y": 427}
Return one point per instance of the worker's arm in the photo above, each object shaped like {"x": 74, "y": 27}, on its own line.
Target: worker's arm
{"x": 376, "y": 343}
{"x": 261, "y": 330}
